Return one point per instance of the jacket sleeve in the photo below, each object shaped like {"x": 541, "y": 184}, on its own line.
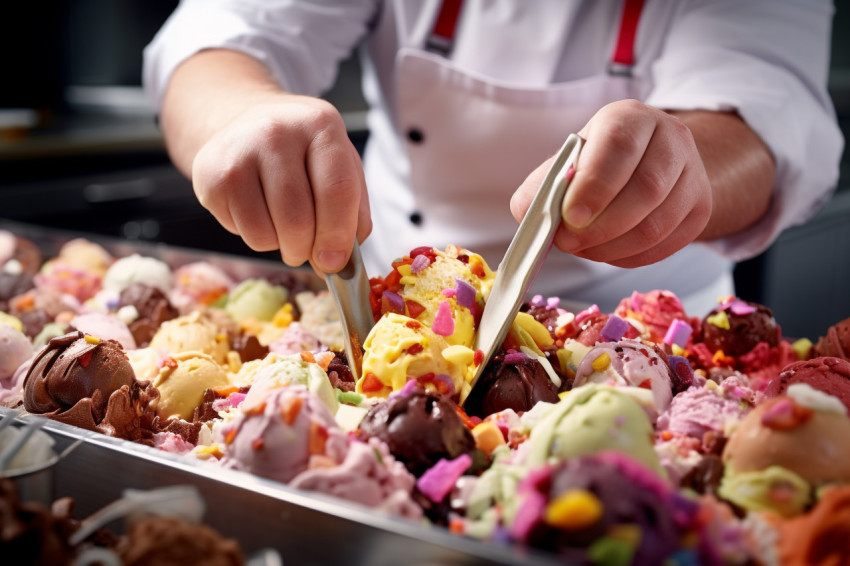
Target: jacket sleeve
{"x": 300, "y": 41}
{"x": 769, "y": 61}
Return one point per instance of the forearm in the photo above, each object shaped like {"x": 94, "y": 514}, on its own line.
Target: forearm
{"x": 205, "y": 93}
{"x": 740, "y": 168}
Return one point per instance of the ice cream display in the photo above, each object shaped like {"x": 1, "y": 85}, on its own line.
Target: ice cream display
{"x": 631, "y": 437}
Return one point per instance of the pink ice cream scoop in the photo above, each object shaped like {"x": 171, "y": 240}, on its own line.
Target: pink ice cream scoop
{"x": 702, "y": 410}
{"x": 284, "y": 436}
{"x": 631, "y": 363}
{"x": 106, "y": 327}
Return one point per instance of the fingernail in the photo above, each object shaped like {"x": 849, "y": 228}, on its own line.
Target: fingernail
{"x": 331, "y": 261}
{"x": 578, "y": 216}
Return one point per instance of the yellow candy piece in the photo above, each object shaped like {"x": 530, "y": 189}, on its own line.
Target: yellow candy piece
{"x": 601, "y": 362}
{"x": 405, "y": 270}
{"x": 283, "y": 317}
{"x": 458, "y": 354}
{"x": 537, "y": 331}
{"x": 407, "y": 280}
{"x": 92, "y": 339}
{"x": 719, "y": 319}
{"x": 575, "y": 509}
{"x": 803, "y": 348}
{"x": 563, "y": 395}
{"x": 677, "y": 350}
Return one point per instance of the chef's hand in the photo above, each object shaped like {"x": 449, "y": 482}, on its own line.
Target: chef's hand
{"x": 640, "y": 193}
{"x": 284, "y": 174}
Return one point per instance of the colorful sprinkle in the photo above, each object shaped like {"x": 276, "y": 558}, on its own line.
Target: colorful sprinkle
{"x": 488, "y": 437}
{"x": 419, "y": 263}
{"x": 537, "y": 300}
{"x": 92, "y": 339}
{"x": 591, "y": 310}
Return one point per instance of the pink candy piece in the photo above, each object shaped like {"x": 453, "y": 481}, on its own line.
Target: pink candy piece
{"x": 449, "y": 293}
{"x": 737, "y": 306}
{"x": 419, "y": 263}
{"x": 553, "y": 302}
{"x": 439, "y": 479}
{"x": 444, "y": 324}
{"x": 537, "y": 300}
{"x": 678, "y": 333}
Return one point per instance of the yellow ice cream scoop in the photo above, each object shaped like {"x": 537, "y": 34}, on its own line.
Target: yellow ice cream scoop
{"x": 400, "y": 348}
{"x": 191, "y": 333}
{"x": 182, "y": 381}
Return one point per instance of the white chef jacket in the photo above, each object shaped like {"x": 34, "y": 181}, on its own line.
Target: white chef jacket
{"x": 765, "y": 59}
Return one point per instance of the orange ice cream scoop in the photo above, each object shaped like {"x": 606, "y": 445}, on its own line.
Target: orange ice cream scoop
{"x": 804, "y": 432}
{"x": 822, "y": 536}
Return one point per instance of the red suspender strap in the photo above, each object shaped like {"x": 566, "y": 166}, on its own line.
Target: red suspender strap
{"x": 624, "y": 51}
{"x": 442, "y": 35}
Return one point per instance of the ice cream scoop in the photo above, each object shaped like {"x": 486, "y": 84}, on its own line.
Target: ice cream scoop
{"x": 830, "y": 375}
{"x": 279, "y": 439}
{"x": 631, "y": 363}
{"x": 786, "y": 446}
{"x": 836, "y": 342}
{"x": 182, "y": 381}
{"x": 149, "y": 309}
{"x": 192, "y": 332}
{"x": 257, "y": 299}
{"x": 136, "y": 268}
{"x": 737, "y": 326}
{"x": 291, "y": 371}
{"x": 590, "y": 419}
{"x": 512, "y": 381}
{"x": 106, "y": 327}
{"x": 15, "y": 349}
{"x": 74, "y": 377}
{"x": 419, "y": 427}
{"x": 400, "y": 348}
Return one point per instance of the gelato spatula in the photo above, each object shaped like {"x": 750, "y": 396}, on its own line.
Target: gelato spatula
{"x": 525, "y": 254}
{"x": 350, "y": 290}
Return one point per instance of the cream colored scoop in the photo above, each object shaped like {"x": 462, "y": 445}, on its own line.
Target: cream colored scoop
{"x": 525, "y": 254}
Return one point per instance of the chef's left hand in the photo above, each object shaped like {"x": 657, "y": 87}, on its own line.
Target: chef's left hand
{"x": 640, "y": 193}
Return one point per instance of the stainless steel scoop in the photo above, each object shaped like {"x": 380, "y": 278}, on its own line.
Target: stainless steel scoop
{"x": 350, "y": 290}
{"x": 526, "y": 253}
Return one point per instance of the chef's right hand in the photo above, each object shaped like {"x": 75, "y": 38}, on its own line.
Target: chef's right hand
{"x": 284, "y": 174}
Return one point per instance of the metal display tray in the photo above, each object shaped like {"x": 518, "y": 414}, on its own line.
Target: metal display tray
{"x": 306, "y": 528}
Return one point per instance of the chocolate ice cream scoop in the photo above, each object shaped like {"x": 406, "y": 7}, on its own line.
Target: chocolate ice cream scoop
{"x": 515, "y": 382}
{"x": 153, "y": 309}
{"x": 168, "y": 540}
{"x": 73, "y": 377}
{"x": 836, "y": 343}
{"x": 736, "y": 327}
{"x": 419, "y": 428}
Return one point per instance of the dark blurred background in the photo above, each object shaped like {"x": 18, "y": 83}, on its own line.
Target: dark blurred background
{"x": 80, "y": 151}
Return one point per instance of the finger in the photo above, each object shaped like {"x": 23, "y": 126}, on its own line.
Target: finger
{"x": 616, "y": 138}
{"x": 651, "y": 183}
{"x": 210, "y": 190}
{"x": 684, "y": 234}
{"x": 522, "y": 197}
{"x": 335, "y": 176}
{"x": 288, "y": 197}
{"x": 683, "y": 216}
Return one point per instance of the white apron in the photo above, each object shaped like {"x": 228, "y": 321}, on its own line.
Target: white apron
{"x": 471, "y": 141}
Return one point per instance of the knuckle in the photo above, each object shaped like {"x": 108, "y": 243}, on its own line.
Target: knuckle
{"x": 653, "y": 183}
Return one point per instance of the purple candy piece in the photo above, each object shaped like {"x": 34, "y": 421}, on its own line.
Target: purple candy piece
{"x": 553, "y": 302}
{"x": 515, "y": 357}
{"x": 684, "y": 373}
{"x": 537, "y": 300}
{"x": 465, "y": 293}
{"x": 614, "y": 329}
{"x": 439, "y": 479}
{"x": 395, "y": 300}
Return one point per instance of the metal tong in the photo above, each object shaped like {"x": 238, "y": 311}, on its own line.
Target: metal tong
{"x": 525, "y": 254}
{"x": 350, "y": 290}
